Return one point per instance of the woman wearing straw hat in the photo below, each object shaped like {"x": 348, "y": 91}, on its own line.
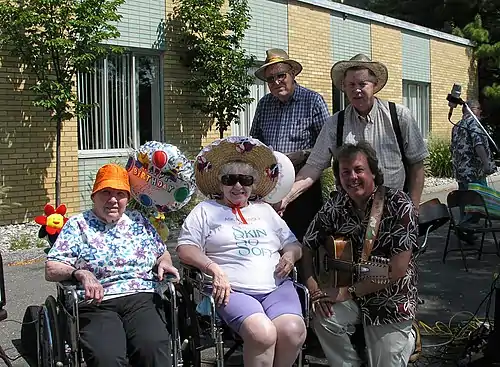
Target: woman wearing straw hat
{"x": 373, "y": 120}
{"x": 110, "y": 252}
{"x": 247, "y": 248}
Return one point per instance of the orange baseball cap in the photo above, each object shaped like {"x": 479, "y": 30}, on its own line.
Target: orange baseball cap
{"x": 111, "y": 176}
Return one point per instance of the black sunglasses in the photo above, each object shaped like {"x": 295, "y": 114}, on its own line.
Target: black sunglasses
{"x": 231, "y": 180}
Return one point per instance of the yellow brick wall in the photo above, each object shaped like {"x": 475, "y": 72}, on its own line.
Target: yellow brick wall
{"x": 387, "y": 48}
{"x": 309, "y": 42}
{"x": 185, "y": 126}
{"x": 450, "y": 63}
{"x": 27, "y": 149}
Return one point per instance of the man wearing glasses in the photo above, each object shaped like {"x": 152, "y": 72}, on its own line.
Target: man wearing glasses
{"x": 289, "y": 119}
{"x": 390, "y": 129}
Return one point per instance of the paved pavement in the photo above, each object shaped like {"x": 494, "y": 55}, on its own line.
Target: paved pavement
{"x": 446, "y": 288}
{"x": 441, "y": 192}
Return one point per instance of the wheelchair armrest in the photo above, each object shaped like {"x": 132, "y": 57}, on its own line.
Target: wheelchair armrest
{"x": 307, "y": 300}
{"x": 67, "y": 285}
{"x": 195, "y": 275}
{"x": 166, "y": 289}
{"x": 68, "y": 289}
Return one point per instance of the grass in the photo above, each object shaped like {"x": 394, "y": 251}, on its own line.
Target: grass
{"x": 25, "y": 242}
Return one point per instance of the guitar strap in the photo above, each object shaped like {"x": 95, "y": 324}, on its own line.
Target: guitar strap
{"x": 373, "y": 222}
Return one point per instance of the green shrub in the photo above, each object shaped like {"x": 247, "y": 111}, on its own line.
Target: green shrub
{"x": 439, "y": 162}
{"x": 327, "y": 183}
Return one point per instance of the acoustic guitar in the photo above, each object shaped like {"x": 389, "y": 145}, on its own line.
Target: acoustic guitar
{"x": 337, "y": 267}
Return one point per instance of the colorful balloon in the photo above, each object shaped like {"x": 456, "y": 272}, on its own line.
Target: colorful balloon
{"x": 160, "y": 159}
{"x": 161, "y": 177}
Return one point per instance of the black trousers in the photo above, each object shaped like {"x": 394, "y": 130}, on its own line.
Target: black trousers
{"x": 133, "y": 326}
{"x": 300, "y": 212}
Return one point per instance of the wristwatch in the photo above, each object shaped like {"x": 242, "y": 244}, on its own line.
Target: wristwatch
{"x": 352, "y": 292}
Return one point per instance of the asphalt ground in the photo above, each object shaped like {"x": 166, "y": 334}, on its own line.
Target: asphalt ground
{"x": 448, "y": 291}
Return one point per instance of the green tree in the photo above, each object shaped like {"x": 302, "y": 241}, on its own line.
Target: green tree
{"x": 487, "y": 54}
{"x": 218, "y": 64}
{"x": 55, "y": 40}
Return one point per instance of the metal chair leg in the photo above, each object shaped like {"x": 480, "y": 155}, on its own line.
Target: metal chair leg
{"x": 447, "y": 243}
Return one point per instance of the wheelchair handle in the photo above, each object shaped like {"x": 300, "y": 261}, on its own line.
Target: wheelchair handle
{"x": 169, "y": 277}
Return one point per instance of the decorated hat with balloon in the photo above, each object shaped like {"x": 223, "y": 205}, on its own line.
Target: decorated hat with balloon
{"x": 161, "y": 177}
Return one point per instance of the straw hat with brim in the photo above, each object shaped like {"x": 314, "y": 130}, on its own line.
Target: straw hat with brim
{"x": 235, "y": 148}
{"x": 274, "y": 56}
{"x": 360, "y": 60}
{"x": 111, "y": 176}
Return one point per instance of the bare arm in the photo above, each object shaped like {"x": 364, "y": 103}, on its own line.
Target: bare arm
{"x": 307, "y": 270}
{"x": 416, "y": 182}
{"x": 399, "y": 265}
{"x": 192, "y": 255}
{"x": 294, "y": 250}
{"x": 304, "y": 180}
{"x": 56, "y": 271}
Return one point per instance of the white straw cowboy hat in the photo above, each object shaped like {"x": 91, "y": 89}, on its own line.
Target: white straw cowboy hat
{"x": 339, "y": 69}
{"x": 236, "y": 148}
{"x": 274, "y": 56}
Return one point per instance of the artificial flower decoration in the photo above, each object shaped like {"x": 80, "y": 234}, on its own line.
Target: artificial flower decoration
{"x": 161, "y": 227}
{"x": 54, "y": 219}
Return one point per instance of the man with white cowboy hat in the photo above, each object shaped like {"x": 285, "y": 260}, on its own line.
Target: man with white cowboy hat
{"x": 289, "y": 119}
{"x": 388, "y": 127}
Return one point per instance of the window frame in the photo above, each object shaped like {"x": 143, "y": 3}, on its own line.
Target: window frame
{"x": 423, "y": 91}
{"x": 158, "y": 125}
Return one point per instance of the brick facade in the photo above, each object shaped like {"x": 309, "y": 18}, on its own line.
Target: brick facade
{"x": 27, "y": 136}
{"x": 305, "y": 25}
{"x": 27, "y": 149}
{"x": 387, "y": 48}
{"x": 450, "y": 64}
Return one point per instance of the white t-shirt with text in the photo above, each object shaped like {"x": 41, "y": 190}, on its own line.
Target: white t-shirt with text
{"x": 247, "y": 253}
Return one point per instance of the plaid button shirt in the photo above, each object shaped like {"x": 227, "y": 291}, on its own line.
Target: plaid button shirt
{"x": 291, "y": 126}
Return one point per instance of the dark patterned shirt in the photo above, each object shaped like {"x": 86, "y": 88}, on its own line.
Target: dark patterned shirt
{"x": 291, "y": 126}
{"x": 397, "y": 233}
{"x": 465, "y": 137}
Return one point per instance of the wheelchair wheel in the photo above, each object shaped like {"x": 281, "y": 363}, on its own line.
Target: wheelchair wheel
{"x": 189, "y": 328}
{"x": 50, "y": 343}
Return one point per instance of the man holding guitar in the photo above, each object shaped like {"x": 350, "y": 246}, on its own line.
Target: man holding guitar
{"x": 366, "y": 234}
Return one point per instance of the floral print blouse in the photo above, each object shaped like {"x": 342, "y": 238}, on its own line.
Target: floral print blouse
{"x": 120, "y": 255}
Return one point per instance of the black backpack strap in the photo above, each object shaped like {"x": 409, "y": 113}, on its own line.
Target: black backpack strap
{"x": 340, "y": 129}
{"x": 399, "y": 137}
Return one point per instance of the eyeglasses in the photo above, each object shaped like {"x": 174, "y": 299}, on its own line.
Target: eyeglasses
{"x": 231, "y": 180}
{"x": 278, "y": 78}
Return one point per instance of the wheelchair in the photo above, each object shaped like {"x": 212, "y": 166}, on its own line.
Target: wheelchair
{"x": 199, "y": 332}
{"x": 57, "y": 326}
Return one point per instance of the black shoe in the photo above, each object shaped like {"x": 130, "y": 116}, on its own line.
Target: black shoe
{"x": 467, "y": 237}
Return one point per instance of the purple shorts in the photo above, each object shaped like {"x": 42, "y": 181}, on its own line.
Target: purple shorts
{"x": 283, "y": 300}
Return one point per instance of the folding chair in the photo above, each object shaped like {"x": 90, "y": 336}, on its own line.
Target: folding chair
{"x": 458, "y": 201}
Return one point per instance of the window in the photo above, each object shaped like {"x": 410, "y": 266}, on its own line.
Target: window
{"x": 416, "y": 98}
{"x": 126, "y": 90}
{"x": 257, "y": 90}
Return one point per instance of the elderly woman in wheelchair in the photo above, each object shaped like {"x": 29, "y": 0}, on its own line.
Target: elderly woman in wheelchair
{"x": 246, "y": 249}
{"x": 110, "y": 252}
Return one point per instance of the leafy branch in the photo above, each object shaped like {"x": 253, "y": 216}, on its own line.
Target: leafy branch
{"x": 217, "y": 62}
